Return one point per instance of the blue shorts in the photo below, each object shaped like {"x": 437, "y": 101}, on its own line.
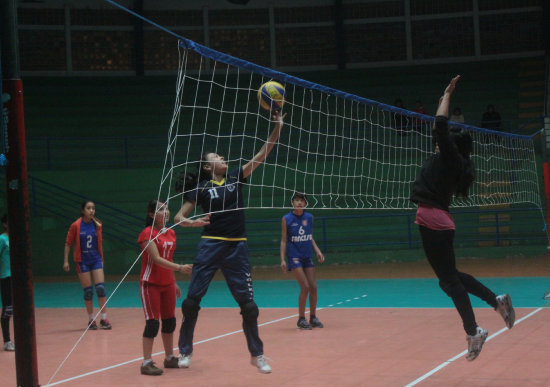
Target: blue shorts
{"x": 85, "y": 267}
{"x": 294, "y": 263}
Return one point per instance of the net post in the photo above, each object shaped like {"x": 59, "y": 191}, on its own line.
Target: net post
{"x": 26, "y": 363}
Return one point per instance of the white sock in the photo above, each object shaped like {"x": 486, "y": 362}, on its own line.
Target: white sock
{"x": 104, "y": 316}
{"x": 145, "y": 362}
{"x": 91, "y": 316}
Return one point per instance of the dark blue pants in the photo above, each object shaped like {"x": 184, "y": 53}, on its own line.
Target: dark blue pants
{"x": 233, "y": 260}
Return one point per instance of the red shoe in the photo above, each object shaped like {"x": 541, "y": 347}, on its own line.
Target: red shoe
{"x": 105, "y": 324}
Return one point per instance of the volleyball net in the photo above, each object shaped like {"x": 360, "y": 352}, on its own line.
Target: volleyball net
{"x": 342, "y": 150}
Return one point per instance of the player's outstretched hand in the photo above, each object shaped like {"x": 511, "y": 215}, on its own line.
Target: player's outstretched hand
{"x": 278, "y": 118}
{"x": 451, "y": 87}
{"x": 185, "y": 269}
{"x": 200, "y": 222}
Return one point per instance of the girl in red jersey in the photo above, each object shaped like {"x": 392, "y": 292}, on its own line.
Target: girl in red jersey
{"x": 158, "y": 286}
{"x": 85, "y": 237}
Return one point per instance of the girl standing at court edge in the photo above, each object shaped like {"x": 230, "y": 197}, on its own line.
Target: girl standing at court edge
{"x": 85, "y": 237}
{"x": 223, "y": 243}
{"x": 448, "y": 172}
{"x": 5, "y": 282}
{"x": 158, "y": 287}
{"x": 298, "y": 245}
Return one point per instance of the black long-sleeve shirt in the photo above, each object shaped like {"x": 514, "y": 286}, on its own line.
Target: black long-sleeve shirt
{"x": 438, "y": 179}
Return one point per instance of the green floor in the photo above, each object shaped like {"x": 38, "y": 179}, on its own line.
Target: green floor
{"x": 526, "y": 292}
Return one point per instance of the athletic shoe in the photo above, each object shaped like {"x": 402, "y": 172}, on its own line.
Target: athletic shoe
{"x": 184, "y": 361}
{"x": 8, "y": 346}
{"x": 546, "y": 295}
{"x": 151, "y": 369}
{"x": 105, "y": 324}
{"x": 261, "y": 363}
{"x": 475, "y": 343}
{"x": 302, "y": 324}
{"x": 171, "y": 363}
{"x": 315, "y": 322}
{"x": 92, "y": 325}
{"x": 506, "y": 310}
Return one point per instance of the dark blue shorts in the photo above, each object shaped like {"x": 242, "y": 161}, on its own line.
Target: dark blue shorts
{"x": 233, "y": 260}
{"x": 294, "y": 263}
{"x": 85, "y": 267}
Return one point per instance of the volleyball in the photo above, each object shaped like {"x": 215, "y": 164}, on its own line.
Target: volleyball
{"x": 271, "y": 95}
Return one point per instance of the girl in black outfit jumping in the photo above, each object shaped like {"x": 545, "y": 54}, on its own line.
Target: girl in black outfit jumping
{"x": 448, "y": 172}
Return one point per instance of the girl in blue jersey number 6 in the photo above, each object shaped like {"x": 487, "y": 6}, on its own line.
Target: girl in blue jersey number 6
{"x": 223, "y": 243}
{"x": 297, "y": 244}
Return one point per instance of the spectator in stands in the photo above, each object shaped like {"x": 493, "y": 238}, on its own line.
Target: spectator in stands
{"x": 491, "y": 119}
{"x": 158, "y": 287}
{"x": 298, "y": 246}
{"x": 5, "y": 282}
{"x": 418, "y": 108}
{"x": 86, "y": 239}
{"x": 457, "y": 116}
{"x": 400, "y": 120}
{"x": 450, "y": 172}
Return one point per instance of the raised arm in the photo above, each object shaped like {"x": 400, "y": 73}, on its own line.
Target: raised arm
{"x": 181, "y": 217}
{"x": 249, "y": 167}
{"x": 444, "y": 101}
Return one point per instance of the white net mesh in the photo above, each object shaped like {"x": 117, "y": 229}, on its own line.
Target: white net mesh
{"x": 344, "y": 151}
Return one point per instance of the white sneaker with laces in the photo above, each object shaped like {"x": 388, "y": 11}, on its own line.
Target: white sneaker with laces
{"x": 261, "y": 363}
{"x": 506, "y": 310}
{"x": 8, "y": 346}
{"x": 475, "y": 343}
{"x": 184, "y": 361}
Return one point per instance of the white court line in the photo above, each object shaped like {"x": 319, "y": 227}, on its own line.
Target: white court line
{"x": 447, "y": 362}
{"x": 159, "y": 353}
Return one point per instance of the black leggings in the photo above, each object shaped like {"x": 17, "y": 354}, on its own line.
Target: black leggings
{"x": 7, "y": 308}
{"x": 438, "y": 246}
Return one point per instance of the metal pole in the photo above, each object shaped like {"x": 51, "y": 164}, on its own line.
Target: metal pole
{"x": 18, "y": 204}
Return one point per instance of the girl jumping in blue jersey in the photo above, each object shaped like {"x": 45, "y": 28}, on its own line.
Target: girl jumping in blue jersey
{"x": 223, "y": 243}
{"x": 298, "y": 245}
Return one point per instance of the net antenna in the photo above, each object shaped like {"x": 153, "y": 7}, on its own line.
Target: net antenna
{"x": 342, "y": 150}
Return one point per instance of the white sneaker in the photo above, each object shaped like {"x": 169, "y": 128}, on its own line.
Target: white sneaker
{"x": 261, "y": 363}
{"x": 184, "y": 361}
{"x": 8, "y": 346}
{"x": 506, "y": 310}
{"x": 475, "y": 343}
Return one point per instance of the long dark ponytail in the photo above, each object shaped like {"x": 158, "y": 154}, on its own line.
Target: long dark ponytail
{"x": 189, "y": 180}
{"x": 151, "y": 208}
{"x": 464, "y": 144}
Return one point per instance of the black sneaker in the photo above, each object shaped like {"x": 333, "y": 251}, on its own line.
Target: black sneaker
{"x": 92, "y": 325}
{"x": 302, "y": 324}
{"x": 315, "y": 322}
{"x": 150, "y": 369}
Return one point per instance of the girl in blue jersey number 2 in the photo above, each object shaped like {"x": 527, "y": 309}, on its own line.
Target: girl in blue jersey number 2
{"x": 223, "y": 243}
{"x": 86, "y": 239}
{"x": 298, "y": 245}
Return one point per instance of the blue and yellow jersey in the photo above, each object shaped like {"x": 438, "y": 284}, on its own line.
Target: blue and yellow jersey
{"x": 225, "y": 196}
{"x": 299, "y": 235}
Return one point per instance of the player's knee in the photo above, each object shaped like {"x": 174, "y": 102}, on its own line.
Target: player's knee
{"x": 169, "y": 325}
{"x": 100, "y": 289}
{"x": 451, "y": 287}
{"x": 7, "y": 311}
{"x": 190, "y": 308}
{"x": 250, "y": 311}
{"x": 151, "y": 329}
{"x": 88, "y": 293}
